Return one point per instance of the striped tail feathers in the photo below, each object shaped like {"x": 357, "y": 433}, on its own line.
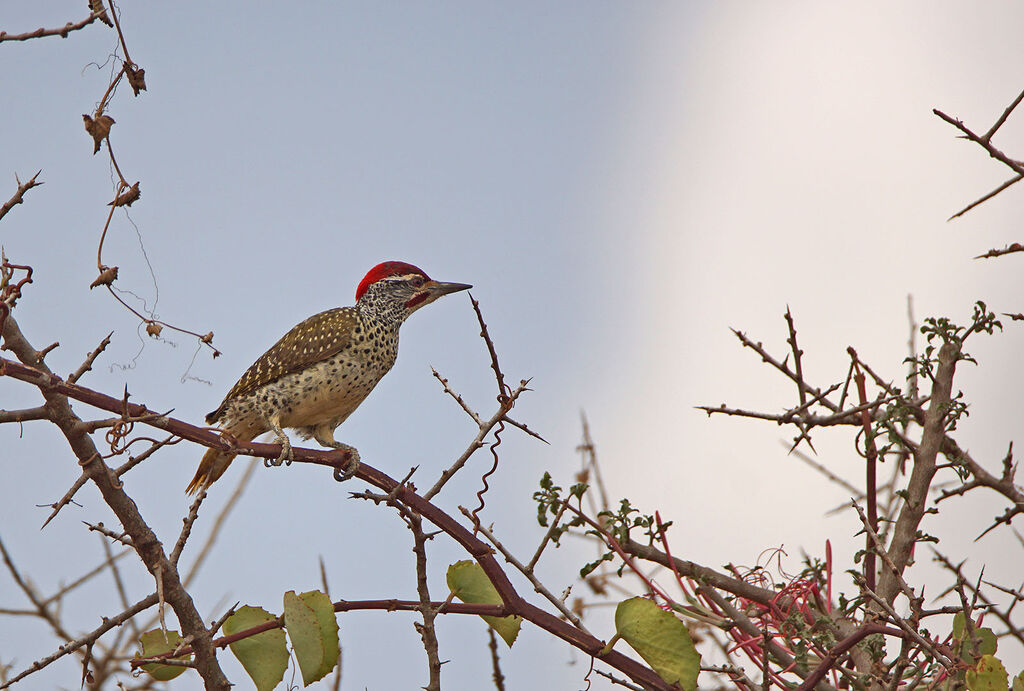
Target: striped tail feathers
{"x": 215, "y": 462}
{"x": 212, "y": 466}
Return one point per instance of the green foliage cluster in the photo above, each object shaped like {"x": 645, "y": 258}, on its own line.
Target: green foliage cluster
{"x": 311, "y": 625}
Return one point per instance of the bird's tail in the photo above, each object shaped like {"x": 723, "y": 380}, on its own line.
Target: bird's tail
{"x": 212, "y": 466}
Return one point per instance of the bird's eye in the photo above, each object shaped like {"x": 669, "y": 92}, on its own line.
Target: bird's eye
{"x": 417, "y": 282}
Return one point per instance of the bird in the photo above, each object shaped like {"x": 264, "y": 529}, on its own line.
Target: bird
{"x": 322, "y": 369}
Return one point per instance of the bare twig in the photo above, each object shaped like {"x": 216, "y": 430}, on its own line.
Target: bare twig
{"x": 73, "y": 645}
{"x": 83, "y": 478}
{"x": 90, "y": 359}
{"x": 492, "y": 646}
{"x": 878, "y": 548}
{"x": 984, "y": 143}
{"x": 41, "y": 608}
{"x": 113, "y": 535}
{"x": 89, "y": 575}
{"x": 62, "y": 31}
{"x": 1009, "y": 249}
{"x": 503, "y": 388}
{"x": 615, "y": 680}
{"x": 1004, "y": 485}
{"x": 23, "y": 187}
{"x": 219, "y": 521}
{"x": 522, "y": 426}
{"x": 427, "y": 630}
{"x": 555, "y": 525}
{"x": 478, "y": 442}
{"x": 985, "y": 197}
{"x": 458, "y": 398}
{"x": 187, "y": 522}
{"x": 1002, "y": 118}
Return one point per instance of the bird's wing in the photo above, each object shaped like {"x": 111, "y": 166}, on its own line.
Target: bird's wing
{"x": 311, "y": 341}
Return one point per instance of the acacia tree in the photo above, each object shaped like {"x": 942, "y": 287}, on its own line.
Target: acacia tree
{"x": 754, "y": 628}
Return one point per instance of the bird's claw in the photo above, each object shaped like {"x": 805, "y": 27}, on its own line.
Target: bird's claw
{"x": 284, "y": 457}
{"x": 353, "y": 465}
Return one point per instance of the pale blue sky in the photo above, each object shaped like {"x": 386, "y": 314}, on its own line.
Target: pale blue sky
{"x": 620, "y": 182}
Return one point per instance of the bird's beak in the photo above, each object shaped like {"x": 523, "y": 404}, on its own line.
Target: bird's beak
{"x": 437, "y": 288}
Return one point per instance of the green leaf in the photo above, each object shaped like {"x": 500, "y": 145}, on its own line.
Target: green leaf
{"x": 989, "y": 675}
{"x": 313, "y": 630}
{"x": 660, "y": 639}
{"x": 959, "y": 626}
{"x": 322, "y": 606}
{"x": 469, "y": 583}
{"x": 988, "y": 642}
{"x": 265, "y": 655}
{"x": 1018, "y": 682}
{"x": 154, "y": 643}
{"x": 985, "y": 637}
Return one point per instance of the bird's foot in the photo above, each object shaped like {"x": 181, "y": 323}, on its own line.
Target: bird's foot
{"x": 285, "y": 455}
{"x": 353, "y": 461}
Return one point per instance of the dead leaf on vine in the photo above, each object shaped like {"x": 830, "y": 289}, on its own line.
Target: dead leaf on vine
{"x": 154, "y": 329}
{"x": 128, "y": 197}
{"x": 136, "y": 77}
{"x": 97, "y": 6}
{"x": 98, "y": 128}
{"x": 107, "y": 276}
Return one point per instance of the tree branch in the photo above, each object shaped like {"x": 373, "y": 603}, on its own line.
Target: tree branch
{"x": 55, "y": 388}
{"x": 23, "y": 187}
{"x": 904, "y": 534}
{"x": 144, "y": 540}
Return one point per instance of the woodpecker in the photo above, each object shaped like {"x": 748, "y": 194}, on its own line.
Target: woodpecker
{"x": 322, "y": 369}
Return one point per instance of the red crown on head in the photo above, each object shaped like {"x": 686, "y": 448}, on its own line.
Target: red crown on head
{"x": 385, "y": 269}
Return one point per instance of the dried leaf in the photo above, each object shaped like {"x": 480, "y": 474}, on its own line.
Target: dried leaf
{"x": 128, "y": 197}
{"x": 136, "y": 77}
{"x": 98, "y": 128}
{"x": 107, "y": 276}
{"x": 97, "y": 6}
{"x": 153, "y": 329}
{"x": 208, "y": 338}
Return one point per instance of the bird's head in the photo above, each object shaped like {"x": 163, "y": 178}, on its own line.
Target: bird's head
{"x": 399, "y": 289}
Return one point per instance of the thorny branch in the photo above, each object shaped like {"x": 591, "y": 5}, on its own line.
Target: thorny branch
{"x": 143, "y": 540}
{"x": 55, "y": 389}
{"x": 427, "y": 630}
{"x": 776, "y": 620}
{"x": 985, "y": 142}
{"x": 19, "y": 195}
